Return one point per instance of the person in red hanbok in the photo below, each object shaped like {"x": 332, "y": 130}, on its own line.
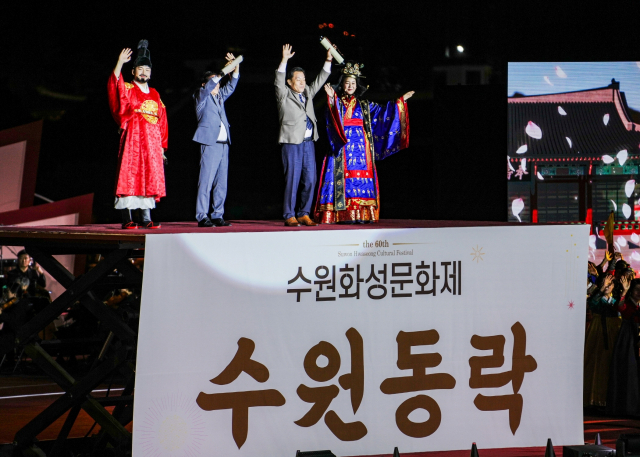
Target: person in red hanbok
{"x": 142, "y": 118}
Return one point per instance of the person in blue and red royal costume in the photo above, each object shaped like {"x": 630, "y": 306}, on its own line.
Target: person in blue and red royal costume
{"x": 142, "y": 118}
{"x": 360, "y": 133}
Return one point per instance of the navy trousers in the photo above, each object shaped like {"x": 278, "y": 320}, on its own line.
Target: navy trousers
{"x": 299, "y": 161}
{"x": 214, "y": 166}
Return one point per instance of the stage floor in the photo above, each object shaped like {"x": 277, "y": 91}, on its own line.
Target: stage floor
{"x": 236, "y": 226}
{"x": 78, "y": 239}
{"x": 23, "y": 397}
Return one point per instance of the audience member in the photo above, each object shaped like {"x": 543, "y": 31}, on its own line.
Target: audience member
{"x": 34, "y": 274}
{"x": 599, "y": 341}
{"x": 623, "y": 394}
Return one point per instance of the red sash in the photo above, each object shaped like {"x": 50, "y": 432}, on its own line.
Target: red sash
{"x": 352, "y": 121}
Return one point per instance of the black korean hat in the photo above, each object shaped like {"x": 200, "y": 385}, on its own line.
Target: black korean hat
{"x": 144, "y": 56}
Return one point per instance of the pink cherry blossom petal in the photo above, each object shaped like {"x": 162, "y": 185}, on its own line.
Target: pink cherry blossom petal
{"x": 629, "y": 187}
{"x": 533, "y": 130}
{"x": 517, "y": 206}
{"x": 622, "y": 156}
{"x": 560, "y": 73}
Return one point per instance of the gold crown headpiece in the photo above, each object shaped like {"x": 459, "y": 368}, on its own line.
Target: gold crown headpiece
{"x": 353, "y": 69}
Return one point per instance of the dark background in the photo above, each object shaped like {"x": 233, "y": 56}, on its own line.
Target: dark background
{"x": 55, "y": 59}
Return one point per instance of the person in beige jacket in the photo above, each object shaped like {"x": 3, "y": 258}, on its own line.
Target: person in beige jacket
{"x": 298, "y": 131}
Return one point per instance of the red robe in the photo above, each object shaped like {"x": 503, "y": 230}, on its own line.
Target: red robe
{"x": 143, "y": 121}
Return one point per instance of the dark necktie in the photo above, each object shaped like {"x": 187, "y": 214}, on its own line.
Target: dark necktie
{"x": 309, "y": 123}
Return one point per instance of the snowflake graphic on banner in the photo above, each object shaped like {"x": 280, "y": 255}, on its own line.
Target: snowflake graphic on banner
{"x": 172, "y": 426}
{"x": 477, "y": 254}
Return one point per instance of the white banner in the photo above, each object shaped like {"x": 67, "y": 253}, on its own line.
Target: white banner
{"x": 261, "y": 344}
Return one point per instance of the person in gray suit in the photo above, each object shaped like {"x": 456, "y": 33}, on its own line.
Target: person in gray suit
{"x": 214, "y": 138}
{"x": 298, "y": 131}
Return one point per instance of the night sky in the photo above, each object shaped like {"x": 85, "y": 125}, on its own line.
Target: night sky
{"x": 56, "y": 58}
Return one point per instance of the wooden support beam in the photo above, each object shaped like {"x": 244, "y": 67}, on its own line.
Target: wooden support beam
{"x": 46, "y": 363}
{"x": 117, "y": 249}
{"x": 75, "y": 291}
{"x": 58, "y": 446}
{"x": 130, "y": 272}
{"x": 88, "y": 300}
{"x": 78, "y": 393}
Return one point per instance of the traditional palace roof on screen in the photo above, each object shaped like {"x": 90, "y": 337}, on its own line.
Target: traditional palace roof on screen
{"x": 583, "y": 124}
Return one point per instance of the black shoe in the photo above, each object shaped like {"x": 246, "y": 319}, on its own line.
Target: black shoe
{"x": 144, "y": 219}
{"x": 206, "y": 222}
{"x": 150, "y": 225}
{"x": 220, "y": 222}
{"x": 127, "y": 222}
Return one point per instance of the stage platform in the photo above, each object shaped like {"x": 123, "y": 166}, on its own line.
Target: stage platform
{"x": 91, "y": 238}
{"x": 113, "y": 232}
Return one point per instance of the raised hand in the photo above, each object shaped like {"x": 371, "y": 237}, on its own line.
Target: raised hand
{"x": 408, "y": 95}
{"x": 329, "y": 90}
{"x": 125, "y": 56}
{"x": 287, "y": 52}
{"x": 625, "y": 283}
{"x": 329, "y": 55}
{"x": 605, "y": 283}
{"x": 230, "y": 58}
